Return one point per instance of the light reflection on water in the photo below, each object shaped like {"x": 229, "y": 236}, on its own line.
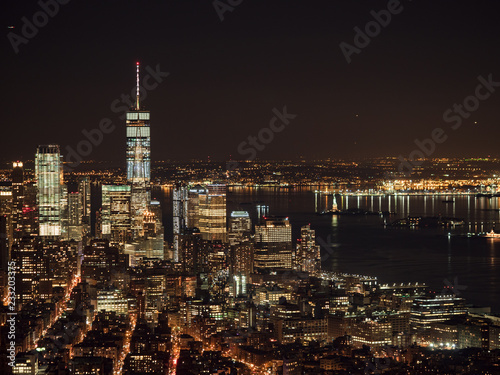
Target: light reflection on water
{"x": 363, "y": 245}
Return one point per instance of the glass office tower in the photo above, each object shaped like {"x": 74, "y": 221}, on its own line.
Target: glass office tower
{"x": 273, "y": 243}
{"x": 49, "y": 177}
{"x": 115, "y": 214}
{"x": 138, "y": 163}
{"x": 212, "y": 213}
{"x": 84, "y": 188}
{"x": 180, "y": 197}
{"x": 308, "y": 256}
{"x": 17, "y": 199}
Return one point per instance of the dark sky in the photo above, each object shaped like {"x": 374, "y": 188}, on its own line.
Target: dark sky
{"x": 226, "y": 77}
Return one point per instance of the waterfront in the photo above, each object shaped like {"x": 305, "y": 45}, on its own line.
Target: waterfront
{"x": 361, "y": 244}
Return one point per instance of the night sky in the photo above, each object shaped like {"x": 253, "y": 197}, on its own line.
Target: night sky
{"x": 227, "y": 76}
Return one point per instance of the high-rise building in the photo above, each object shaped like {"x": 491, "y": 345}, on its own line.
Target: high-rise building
{"x": 112, "y": 299}
{"x": 116, "y": 213}
{"x": 241, "y": 265}
{"x": 240, "y": 227}
{"x": 190, "y": 245}
{"x": 153, "y": 242}
{"x": 27, "y": 254}
{"x": 42, "y": 266}
{"x": 212, "y": 208}
{"x": 17, "y": 199}
{"x": 308, "y": 258}
{"x": 49, "y": 177}
{"x": 4, "y": 255}
{"x": 371, "y": 333}
{"x": 193, "y": 205}
{"x": 431, "y": 309}
{"x": 242, "y": 250}
{"x": 186, "y": 214}
{"x": 179, "y": 202}
{"x": 84, "y": 188}
{"x": 75, "y": 228}
{"x": 26, "y": 364}
{"x": 30, "y": 210}
{"x": 273, "y": 243}
{"x": 59, "y": 266}
{"x": 64, "y": 213}
{"x": 6, "y": 209}
{"x": 98, "y": 223}
{"x": 138, "y": 162}
{"x": 100, "y": 261}
{"x": 214, "y": 266}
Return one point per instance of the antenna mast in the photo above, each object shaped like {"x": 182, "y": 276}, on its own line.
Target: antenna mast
{"x": 137, "y": 94}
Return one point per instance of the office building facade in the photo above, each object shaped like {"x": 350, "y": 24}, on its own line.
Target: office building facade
{"x": 49, "y": 177}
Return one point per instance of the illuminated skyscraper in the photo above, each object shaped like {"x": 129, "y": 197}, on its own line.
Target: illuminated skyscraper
{"x": 431, "y": 309}
{"x": 190, "y": 245}
{"x": 138, "y": 162}
{"x": 4, "y": 255}
{"x": 273, "y": 243}
{"x": 85, "y": 196}
{"x": 17, "y": 199}
{"x": 180, "y": 197}
{"x": 186, "y": 214}
{"x": 75, "y": 229}
{"x": 240, "y": 227}
{"x": 6, "y": 210}
{"x": 30, "y": 211}
{"x": 241, "y": 265}
{"x": 308, "y": 252}
{"x": 49, "y": 177}
{"x": 100, "y": 261}
{"x": 153, "y": 242}
{"x": 242, "y": 250}
{"x": 212, "y": 213}
{"x": 115, "y": 213}
{"x": 193, "y": 206}
{"x": 64, "y": 213}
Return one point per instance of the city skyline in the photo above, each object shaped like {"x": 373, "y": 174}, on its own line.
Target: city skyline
{"x": 250, "y": 188}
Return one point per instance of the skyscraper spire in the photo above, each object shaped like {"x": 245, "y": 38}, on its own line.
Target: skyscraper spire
{"x": 137, "y": 95}
{"x": 138, "y": 162}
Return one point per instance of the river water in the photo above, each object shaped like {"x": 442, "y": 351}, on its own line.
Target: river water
{"x": 361, "y": 244}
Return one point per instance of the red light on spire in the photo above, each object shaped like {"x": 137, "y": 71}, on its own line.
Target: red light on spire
{"x": 137, "y": 63}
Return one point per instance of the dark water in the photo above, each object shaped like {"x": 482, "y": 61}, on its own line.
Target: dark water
{"x": 363, "y": 245}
